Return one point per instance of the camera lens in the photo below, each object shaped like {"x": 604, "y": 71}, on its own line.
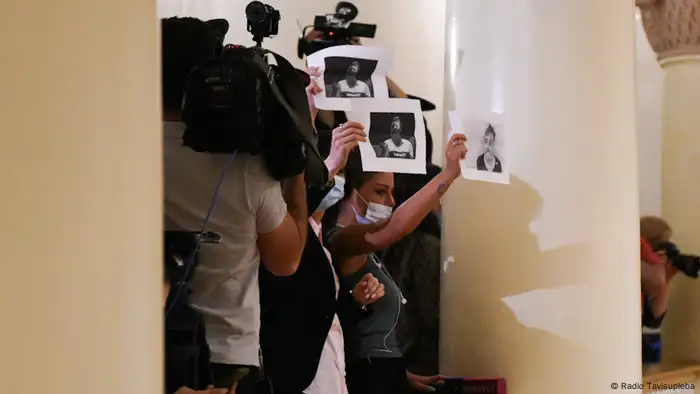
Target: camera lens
{"x": 255, "y": 11}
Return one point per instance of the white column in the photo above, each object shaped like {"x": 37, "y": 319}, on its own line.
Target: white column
{"x": 673, "y": 30}
{"x": 80, "y": 206}
{"x": 681, "y": 202}
{"x": 544, "y": 285}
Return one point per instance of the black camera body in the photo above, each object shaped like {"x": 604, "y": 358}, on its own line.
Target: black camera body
{"x": 222, "y": 105}
{"x": 686, "y": 263}
{"x": 236, "y": 102}
{"x": 337, "y": 29}
{"x": 263, "y": 21}
{"x": 229, "y": 105}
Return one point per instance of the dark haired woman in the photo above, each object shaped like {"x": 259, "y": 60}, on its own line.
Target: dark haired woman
{"x": 360, "y": 225}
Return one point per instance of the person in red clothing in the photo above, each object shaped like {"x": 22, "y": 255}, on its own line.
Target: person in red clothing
{"x": 657, "y": 231}
{"x": 648, "y": 254}
{"x": 654, "y": 281}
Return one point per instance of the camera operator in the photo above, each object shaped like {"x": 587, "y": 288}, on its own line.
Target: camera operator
{"x": 661, "y": 261}
{"x": 253, "y": 217}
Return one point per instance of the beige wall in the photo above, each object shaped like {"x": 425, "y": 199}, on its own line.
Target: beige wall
{"x": 80, "y": 205}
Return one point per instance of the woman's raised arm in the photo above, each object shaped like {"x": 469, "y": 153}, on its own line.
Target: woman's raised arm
{"x": 362, "y": 239}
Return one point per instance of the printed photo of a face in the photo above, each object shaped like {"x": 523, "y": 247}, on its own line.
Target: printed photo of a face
{"x": 349, "y": 77}
{"x": 487, "y": 144}
{"x": 488, "y": 160}
{"x": 393, "y": 135}
{"x": 396, "y": 130}
{"x": 489, "y": 140}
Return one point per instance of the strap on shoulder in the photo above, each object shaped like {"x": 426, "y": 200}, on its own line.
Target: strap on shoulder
{"x": 295, "y": 104}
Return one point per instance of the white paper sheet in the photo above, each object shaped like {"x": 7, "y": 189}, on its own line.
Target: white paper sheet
{"x": 383, "y": 152}
{"x": 338, "y": 64}
{"x": 483, "y": 135}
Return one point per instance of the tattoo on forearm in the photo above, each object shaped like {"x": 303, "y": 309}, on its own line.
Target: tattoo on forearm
{"x": 442, "y": 188}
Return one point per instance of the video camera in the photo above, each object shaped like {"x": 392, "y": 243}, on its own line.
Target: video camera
{"x": 263, "y": 21}
{"x": 337, "y": 29}
{"x": 236, "y": 101}
{"x": 686, "y": 263}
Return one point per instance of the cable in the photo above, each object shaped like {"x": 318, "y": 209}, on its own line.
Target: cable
{"x": 190, "y": 260}
{"x": 400, "y": 298}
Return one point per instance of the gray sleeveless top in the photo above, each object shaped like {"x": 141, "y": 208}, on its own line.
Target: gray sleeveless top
{"x": 373, "y": 335}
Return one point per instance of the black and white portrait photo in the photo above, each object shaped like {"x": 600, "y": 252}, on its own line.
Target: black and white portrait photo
{"x": 488, "y": 160}
{"x": 393, "y": 135}
{"x": 350, "y": 72}
{"x": 347, "y": 77}
{"x": 486, "y": 141}
{"x": 396, "y": 135}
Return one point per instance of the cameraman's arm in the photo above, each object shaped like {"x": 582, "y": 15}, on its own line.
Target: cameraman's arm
{"x": 281, "y": 242}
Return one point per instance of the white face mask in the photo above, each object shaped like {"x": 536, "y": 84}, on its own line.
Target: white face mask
{"x": 375, "y": 212}
{"x": 334, "y": 195}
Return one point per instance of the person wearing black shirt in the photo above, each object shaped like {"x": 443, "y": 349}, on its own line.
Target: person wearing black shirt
{"x": 414, "y": 263}
{"x": 298, "y": 311}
